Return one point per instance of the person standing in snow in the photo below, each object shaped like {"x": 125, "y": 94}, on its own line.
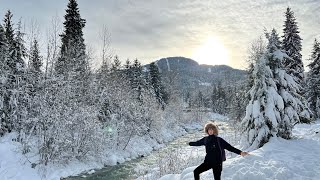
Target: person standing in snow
{"x": 215, "y": 147}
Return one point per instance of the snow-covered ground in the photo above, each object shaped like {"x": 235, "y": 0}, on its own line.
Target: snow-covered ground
{"x": 296, "y": 159}
{"x": 16, "y": 166}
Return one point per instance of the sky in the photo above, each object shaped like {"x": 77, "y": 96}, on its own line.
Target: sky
{"x": 220, "y": 31}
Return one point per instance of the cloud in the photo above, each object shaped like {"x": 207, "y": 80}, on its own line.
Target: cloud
{"x": 149, "y": 29}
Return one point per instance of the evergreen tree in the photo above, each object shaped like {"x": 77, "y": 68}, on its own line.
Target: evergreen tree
{"x": 274, "y": 101}
{"x": 221, "y": 101}
{"x": 288, "y": 88}
{"x": 137, "y": 80}
{"x": 313, "y": 80}
{"x": 73, "y": 65}
{"x": 14, "y": 100}
{"x": 105, "y": 69}
{"x": 3, "y": 51}
{"x": 35, "y": 61}
{"x": 116, "y": 64}
{"x": 128, "y": 69}
{"x": 4, "y": 124}
{"x": 291, "y": 44}
{"x": 238, "y": 103}
{"x": 156, "y": 83}
{"x": 20, "y": 50}
{"x": 8, "y": 28}
{"x": 213, "y": 99}
{"x": 256, "y": 50}
{"x": 263, "y": 113}
{"x": 73, "y": 50}
{"x": 17, "y": 51}
{"x": 34, "y": 68}
{"x": 128, "y": 64}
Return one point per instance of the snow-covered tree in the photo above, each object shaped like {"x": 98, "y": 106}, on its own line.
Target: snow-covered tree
{"x": 116, "y": 64}
{"x": 291, "y": 45}
{"x": 73, "y": 65}
{"x": 263, "y": 113}
{"x": 238, "y": 102}
{"x": 295, "y": 108}
{"x": 256, "y": 50}
{"x": 218, "y": 99}
{"x": 9, "y": 32}
{"x": 274, "y": 101}
{"x": 73, "y": 50}
{"x": 35, "y": 61}
{"x": 157, "y": 86}
{"x": 14, "y": 102}
{"x": 313, "y": 80}
{"x": 4, "y": 123}
{"x": 137, "y": 80}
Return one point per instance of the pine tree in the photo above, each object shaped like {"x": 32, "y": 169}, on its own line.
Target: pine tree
{"x": 288, "y": 88}
{"x": 4, "y": 124}
{"x": 263, "y": 113}
{"x": 115, "y": 64}
{"x": 14, "y": 100}
{"x": 8, "y": 28}
{"x": 137, "y": 80}
{"x": 313, "y": 80}
{"x": 156, "y": 83}
{"x": 128, "y": 64}
{"x": 128, "y": 69}
{"x": 35, "y": 61}
{"x": 238, "y": 103}
{"x": 34, "y": 68}
{"x": 3, "y": 51}
{"x": 15, "y": 45}
{"x": 20, "y": 50}
{"x": 291, "y": 44}
{"x": 274, "y": 103}
{"x": 73, "y": 50}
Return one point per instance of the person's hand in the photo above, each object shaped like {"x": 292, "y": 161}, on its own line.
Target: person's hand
{"x": 244, "y": 153}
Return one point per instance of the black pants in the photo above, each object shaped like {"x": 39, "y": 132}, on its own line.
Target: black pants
{"x": 205, "y": 167}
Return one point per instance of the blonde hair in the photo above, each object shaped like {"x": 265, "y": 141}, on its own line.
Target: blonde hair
{"x": 212, "y": 126}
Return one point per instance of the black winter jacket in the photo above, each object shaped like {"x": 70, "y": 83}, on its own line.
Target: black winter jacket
{"x": 215, "y": 147}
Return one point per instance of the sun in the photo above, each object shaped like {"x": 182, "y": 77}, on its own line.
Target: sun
{"x": 212, "y": 52}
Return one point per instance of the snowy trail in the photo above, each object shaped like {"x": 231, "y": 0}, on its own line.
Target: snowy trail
{"x": 280, "y": 159}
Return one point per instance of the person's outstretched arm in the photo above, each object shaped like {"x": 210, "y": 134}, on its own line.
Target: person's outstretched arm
{"x": 197, "y": 143}
{"x": 230, "y": 148}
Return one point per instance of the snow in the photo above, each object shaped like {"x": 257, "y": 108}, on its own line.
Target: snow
{"x": 279, "y": 159}
{"x": 296, "y": 159}
{"x": 205, "y": 84}
{"x": 12, "y": 164}
{"x": 168, "y": 65}
{"x": 280, "y": 55}
{"x": 15, "y": 166}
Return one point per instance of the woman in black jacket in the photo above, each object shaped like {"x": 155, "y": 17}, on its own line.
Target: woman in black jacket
{"x": 215, "y": 147}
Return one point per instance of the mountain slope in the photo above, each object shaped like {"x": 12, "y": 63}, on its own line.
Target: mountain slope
{"x": 190, "y": 74}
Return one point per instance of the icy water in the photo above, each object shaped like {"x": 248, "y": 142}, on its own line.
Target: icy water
{"x": 151, "y": 166}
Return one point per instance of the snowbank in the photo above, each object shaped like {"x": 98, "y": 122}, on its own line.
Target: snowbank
{"x": 281, "y": 159}
{"x": 14, "y": 165}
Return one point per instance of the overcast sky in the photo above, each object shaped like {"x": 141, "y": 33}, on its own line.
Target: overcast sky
{"x": 151, "y": 29}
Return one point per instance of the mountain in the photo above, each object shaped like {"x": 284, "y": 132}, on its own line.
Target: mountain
{"x": 190, "y": 74}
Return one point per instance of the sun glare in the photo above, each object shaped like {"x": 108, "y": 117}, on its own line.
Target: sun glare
{"x": 212, "y": 52}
